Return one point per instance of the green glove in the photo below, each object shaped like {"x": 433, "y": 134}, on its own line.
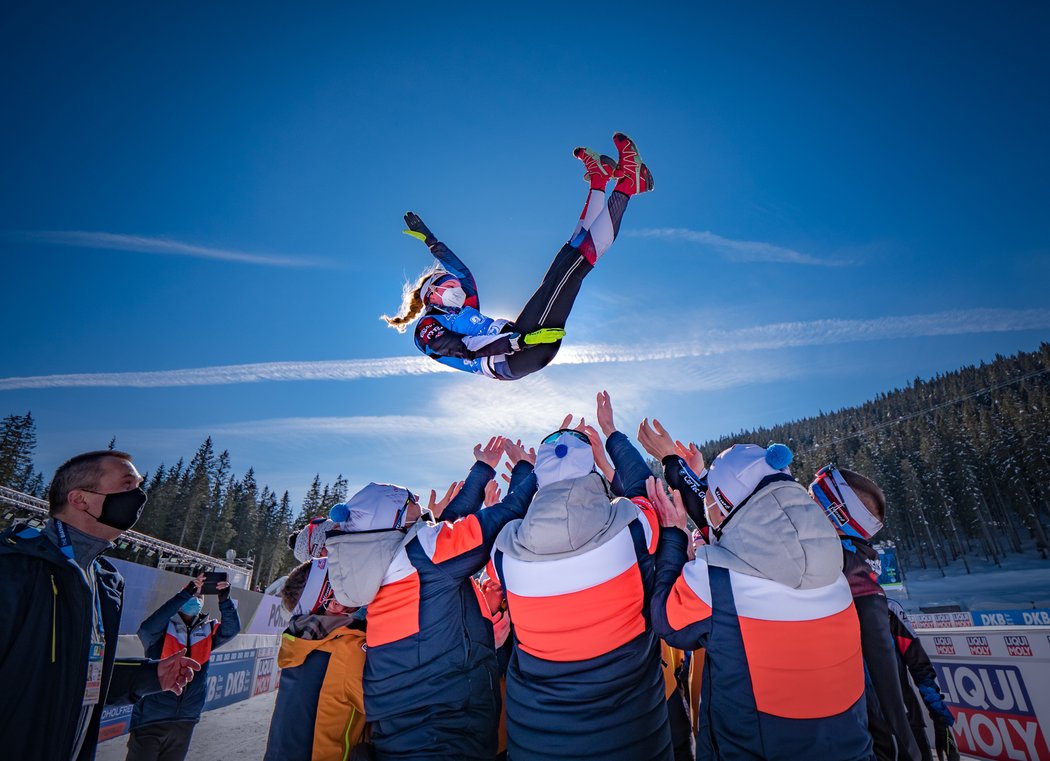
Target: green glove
{"x": 417, "y": 229}
{"x": 544, "y": 336}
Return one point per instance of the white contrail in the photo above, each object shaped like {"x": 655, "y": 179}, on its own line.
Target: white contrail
{"x": 345, "y": 369}
{"x": 762, "y": 337}
{"x": 736, "y": 250}
{"x": 166, "y": 246}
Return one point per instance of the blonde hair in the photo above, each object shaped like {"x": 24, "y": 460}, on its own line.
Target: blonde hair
{"x": 412, "y": 305}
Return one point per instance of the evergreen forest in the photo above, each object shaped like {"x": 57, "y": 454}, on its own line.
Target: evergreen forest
{"x": 964, "y": 460}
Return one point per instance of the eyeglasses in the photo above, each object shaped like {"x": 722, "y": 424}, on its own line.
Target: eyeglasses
{"x": 551, "y": 438}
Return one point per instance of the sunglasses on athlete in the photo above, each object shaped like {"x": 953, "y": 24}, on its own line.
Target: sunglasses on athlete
{"x": 551, "y": 438}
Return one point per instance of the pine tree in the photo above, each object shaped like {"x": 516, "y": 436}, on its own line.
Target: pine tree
{"x": 17, "y": 444}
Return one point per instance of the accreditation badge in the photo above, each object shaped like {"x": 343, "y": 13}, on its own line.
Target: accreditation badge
{"x": 93, "y": 688}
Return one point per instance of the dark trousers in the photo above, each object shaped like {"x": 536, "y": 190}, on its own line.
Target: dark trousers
{"x": 167, "y": 741}
{"x": 549, "y": 307}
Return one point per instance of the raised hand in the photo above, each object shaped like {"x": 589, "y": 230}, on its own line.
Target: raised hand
{"x": 597, "y": 449}
{"x": 605, "y": 414}
{"x": 437, "y": 506}
{"x": 195, "y": 585}
{"x": 669, "y": 510}
{"x": 692, "y": 455}
{"x": 516, "y": 452}
{"x": 655, "y": 440}
{"x": 175, "y": 672}
{"x": 417, "y": 229}
{"x": 491, "y": 452}
{"x": 492, "y": 494}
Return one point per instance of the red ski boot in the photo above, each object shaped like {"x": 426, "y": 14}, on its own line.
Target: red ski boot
{"x": 634, "y": 175}
{"x": 599, "y": 167}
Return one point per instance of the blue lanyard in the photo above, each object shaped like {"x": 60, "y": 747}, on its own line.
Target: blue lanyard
{"x": 63, "y": 538}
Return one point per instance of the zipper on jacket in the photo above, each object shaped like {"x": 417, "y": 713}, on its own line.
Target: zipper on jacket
{"x": 54, "y": 617}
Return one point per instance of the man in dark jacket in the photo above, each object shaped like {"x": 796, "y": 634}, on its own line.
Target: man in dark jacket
{"x": 162, "y": 724}
{"x": 61, "y": 603}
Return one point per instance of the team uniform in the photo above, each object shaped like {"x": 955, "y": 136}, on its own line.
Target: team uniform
{"x": 783, "y": 676}
{"x": 430, "y": 678}
{"x": 584, "y": 680}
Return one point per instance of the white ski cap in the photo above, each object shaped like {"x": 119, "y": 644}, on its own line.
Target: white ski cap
{"x": 737, "y": 471}
{"x": 567, "y": 457}
{"x": 376, "y": 507}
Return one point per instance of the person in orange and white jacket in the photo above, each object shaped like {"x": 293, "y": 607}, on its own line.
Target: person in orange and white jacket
{"x": 783, "y": 674}
{"x": 430, "y": 676}
{"x": 584, "y": 679}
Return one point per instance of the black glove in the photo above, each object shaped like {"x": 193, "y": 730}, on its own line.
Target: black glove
{"x": 417, "y": 229}
{"x": 223, "y": 594}
{"x": 191, "y": 588}
{"x": 947, "y": 750}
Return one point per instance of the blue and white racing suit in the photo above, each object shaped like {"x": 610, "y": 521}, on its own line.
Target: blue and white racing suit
{"x": 466, "y": 339}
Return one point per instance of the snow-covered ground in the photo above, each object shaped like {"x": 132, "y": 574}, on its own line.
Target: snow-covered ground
{"x": 1023, "y": 581}
{"x": 235, "y": 732}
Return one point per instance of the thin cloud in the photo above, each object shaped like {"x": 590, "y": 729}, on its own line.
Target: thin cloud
{"x": 344, "y": 370}
{"x": 737, "y": 250}
{"x": 164, "y": 246}
{"x": 702, "y": 344}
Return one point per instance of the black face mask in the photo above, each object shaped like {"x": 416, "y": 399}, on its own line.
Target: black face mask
{"x": 121, "y": 510}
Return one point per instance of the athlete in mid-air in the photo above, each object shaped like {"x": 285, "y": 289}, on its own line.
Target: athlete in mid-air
{"x": 450, "y": 327}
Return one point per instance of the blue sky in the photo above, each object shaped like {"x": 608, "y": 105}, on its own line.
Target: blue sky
{"x": 848, "y": 197}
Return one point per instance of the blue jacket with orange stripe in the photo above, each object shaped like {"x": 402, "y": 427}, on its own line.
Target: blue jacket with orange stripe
{"x": 783, "y": 675}
{"x": 430, "y": 679}
{"x": 584, "y": 679}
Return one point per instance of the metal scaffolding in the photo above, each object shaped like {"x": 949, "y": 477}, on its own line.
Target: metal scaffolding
{"x": 169, "y": 555}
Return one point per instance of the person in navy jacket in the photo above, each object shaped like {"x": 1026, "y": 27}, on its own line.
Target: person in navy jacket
{"x": 452, "y": 330}
{"x": 585, "y": 678}
{"x": 431, "y": 682}
{"x": 162, "y": 724}
{"x": 783, "y": 674}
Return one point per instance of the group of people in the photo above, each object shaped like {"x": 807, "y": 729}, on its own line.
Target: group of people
{"x": 590, "y": 613}
{"x": 594, "y": 611}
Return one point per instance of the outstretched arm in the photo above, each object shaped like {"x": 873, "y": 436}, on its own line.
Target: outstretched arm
{"x": 681, "y": 603}
{"x": 449, "y": 261}
{"x": 470, "y": 497}
{"x": 463, "y": 547}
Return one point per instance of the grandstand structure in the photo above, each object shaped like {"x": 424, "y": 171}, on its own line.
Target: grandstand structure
{"x": 16, "y": 505}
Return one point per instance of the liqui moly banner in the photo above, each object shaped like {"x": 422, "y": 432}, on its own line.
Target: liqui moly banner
{"x": 997, "y": 684}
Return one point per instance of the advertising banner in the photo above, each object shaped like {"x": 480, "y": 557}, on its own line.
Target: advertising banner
{"x": 890, "y": 578}
{"x": 266, "y": 671}
{"x": 230, "y": 677}
{"x": 1033, "y": 617}
{"x": 997, "y": 684}
{"x": 115, "y": 721}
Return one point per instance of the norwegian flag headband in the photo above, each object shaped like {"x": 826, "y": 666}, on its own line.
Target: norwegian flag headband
{"x": 842, "y": 505}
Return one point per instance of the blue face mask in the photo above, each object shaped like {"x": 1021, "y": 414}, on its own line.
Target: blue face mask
{"x": 192, "y": 607}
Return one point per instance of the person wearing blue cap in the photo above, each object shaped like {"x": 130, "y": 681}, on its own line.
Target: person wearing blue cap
{"x": 431, "y": 676}
{"x": 584, "y": 679}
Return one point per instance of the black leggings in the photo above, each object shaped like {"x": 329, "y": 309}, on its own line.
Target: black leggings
{"x": 549, "y": 307}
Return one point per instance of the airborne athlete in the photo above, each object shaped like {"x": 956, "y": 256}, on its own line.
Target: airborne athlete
{"x": 453, "y": 331}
